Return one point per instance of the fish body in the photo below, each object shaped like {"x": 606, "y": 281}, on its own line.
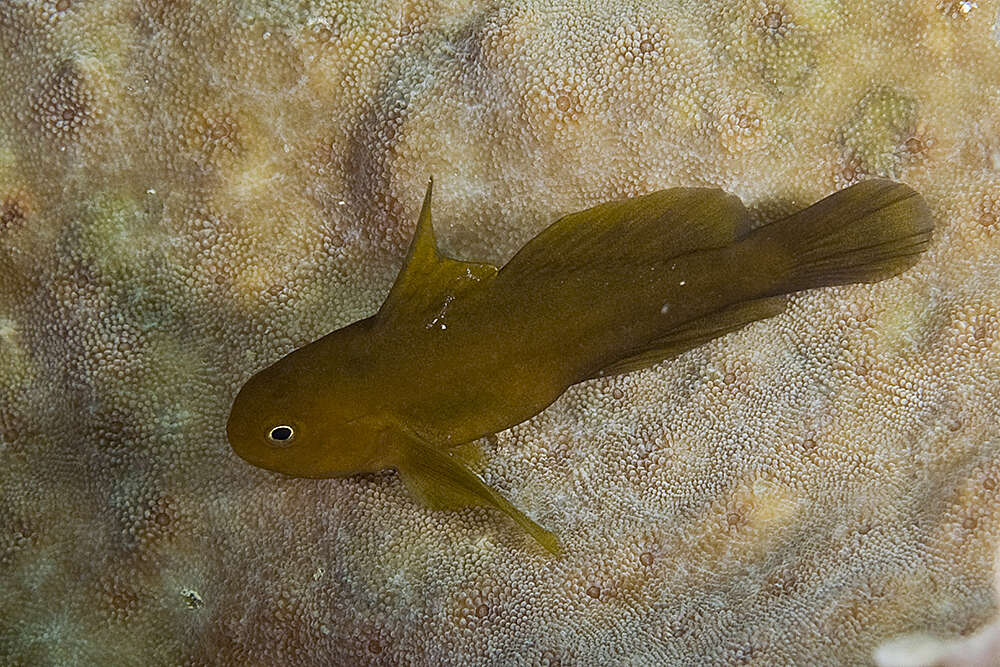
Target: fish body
{"x": 460, "y": 350}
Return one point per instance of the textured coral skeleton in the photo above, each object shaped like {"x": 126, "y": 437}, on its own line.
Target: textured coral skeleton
{"x": 189, "y": 190}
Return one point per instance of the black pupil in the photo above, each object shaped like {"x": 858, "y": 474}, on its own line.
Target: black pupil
{"x": 281, "y": 433}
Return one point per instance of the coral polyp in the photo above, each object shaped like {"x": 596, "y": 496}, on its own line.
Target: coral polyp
{"x": 190, "y": 190}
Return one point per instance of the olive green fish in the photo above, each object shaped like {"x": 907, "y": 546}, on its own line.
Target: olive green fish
{"x": 460, "y": 350}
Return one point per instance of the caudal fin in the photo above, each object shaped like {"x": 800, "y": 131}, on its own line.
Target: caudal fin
{"x": 862, "y": 234}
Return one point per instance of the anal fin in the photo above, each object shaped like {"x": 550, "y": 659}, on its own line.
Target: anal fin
{"x": 442, "y": 482}
{"x": 694, "y": 333}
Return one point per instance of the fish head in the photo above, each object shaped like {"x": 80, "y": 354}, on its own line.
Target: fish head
{"x": 285, "y": 419}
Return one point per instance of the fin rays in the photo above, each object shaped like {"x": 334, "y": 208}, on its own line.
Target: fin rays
{"x": 428, "y": 278}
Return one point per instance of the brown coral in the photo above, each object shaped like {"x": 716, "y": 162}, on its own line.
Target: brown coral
{"x": 188, "y": 190}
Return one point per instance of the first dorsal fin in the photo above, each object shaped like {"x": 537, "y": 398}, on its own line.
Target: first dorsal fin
{"x": 428, "y": 278}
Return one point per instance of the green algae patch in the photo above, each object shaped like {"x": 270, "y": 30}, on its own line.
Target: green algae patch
{"x": 16, "y": 366}
{"x": 119, "y": 236}
{"x": 907, "y": 323}
{"x": 770, "y": 43}
{"x": 7, "y": 159}
{"x": 874, "y": 135}
{"x": 784, "y": 60}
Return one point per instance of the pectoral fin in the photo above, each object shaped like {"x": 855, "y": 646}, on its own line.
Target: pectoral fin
{"x": 442, "y": 482}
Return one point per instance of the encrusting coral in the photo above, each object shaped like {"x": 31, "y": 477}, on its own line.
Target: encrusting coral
{"x": 981, "y": 649}
{"x": 189, "y": 190}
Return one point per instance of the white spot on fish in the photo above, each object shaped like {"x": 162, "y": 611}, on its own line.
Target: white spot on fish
{"x": 683, "y": 283}
{"x": 664, "y": 308}
{"x": 440, "y": 315}
{"x": 192, "y": 598}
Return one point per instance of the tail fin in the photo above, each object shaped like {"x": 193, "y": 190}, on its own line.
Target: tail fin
{"x": 862, "y": 234}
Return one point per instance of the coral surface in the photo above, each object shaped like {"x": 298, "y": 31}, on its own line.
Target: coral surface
{"x": 981, "y": 649}
{"x": 190, "y": 189}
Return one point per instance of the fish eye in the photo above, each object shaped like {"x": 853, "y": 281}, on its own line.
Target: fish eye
{"x": 281, "y": 436}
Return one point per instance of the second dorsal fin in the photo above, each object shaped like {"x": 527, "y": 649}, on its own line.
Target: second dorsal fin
{"x": 428, "y": 278}
{"x": 657, "y": 226}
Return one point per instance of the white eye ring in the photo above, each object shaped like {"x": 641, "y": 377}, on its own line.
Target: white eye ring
{"x": 281, "y": 435}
